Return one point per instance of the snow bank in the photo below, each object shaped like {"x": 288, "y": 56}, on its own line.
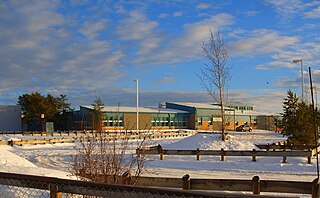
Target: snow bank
{"x": 9, "y": 159}
{"x": 12, "y": 163}
{"x": 235, "y": 141}
{"x": 8, "y": 138}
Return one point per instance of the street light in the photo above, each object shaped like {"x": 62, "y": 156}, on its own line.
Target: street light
{"x": 297, "y": 61}
{"x": 42, "y": 122}
{"x": 137, "y": 107}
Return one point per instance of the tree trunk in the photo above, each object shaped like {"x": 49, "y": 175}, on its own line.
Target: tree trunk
{"x": 223, "y": 136}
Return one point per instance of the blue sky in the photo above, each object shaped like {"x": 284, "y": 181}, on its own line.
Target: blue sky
{"x": 85, "y": 48}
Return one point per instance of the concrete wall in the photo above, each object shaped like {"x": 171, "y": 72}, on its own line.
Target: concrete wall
{"x": 10, "y": 118}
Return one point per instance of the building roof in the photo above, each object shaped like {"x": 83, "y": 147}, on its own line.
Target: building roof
{"x": 116, "y": 109}
{"x": 7, "y": 108}
{"x": 199, "y": 105}
{"x": 247, "y": 112}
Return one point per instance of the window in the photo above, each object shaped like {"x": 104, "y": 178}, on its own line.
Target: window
{"x": 200, "y": 121}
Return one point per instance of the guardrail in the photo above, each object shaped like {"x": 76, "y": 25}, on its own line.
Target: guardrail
{"x": 223, "y": 153}
{"x": 53, "y": 187}
{"x": 94, "y": 137}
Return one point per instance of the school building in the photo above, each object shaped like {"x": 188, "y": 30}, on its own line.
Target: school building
{"x": 173, "y": 115}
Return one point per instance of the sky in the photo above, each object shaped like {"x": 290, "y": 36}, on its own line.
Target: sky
{"x": 87, "y": 49}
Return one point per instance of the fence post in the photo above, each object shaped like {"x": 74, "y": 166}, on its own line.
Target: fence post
{"x": 256, "y": 185}
{"x": 309, "y": 157}
{"x": 186, "y": 182}
{"x": 284, "y": 156}
{"x": 315, "y": 188}
{"x": 254, "y": 157}
{"x": 222, "y": 155}
{"x": 198, "y": 155}
{"x": 126, "y": 178}
{"x": 161, "y": 154}
{"x": 54, "y": 191}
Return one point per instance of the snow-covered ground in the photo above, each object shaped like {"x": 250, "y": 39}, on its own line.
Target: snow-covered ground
{"x": 55, "y": 159}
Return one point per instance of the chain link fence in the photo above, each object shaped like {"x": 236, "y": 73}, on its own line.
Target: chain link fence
{"x": 27, "y": 186}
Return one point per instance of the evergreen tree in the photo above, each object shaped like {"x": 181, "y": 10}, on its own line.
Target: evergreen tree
{"x": 297, "y": 121}
{"x": 35, "y": 104}
{"x": 97, "y": 114}
{"x": 290, "y": 108}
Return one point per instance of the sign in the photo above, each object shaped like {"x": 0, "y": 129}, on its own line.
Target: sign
{"x": 217, "y": 119}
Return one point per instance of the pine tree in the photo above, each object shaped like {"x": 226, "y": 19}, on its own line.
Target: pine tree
{"x": 97, "y": 114}
{"x": 290, "y": 108}
{"x": 297, "y": 121}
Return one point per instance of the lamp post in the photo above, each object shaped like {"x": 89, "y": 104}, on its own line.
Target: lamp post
{"x": 42, "y": 122}
{"x": 137, "y": 99}
{"x": 297, "y": 61}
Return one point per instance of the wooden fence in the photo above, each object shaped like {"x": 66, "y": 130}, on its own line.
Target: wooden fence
{"x": 94, "y": 137}
{"x": 224, "y": 153}
{"x": 178, "y": 187}
{"x": 255, "y": 185}
{"x": 284, "y": 145}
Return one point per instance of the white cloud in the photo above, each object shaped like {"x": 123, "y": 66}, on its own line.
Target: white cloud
{"x": 163, "y": 15}
{"x": 314, "y": 13}
{"x": 136, "y": 26}
{"x": 283, "y": 58}
{"x": 166, "y": 80}
{"x": 41, "y": 50}
{"x": 275, "y": 64}
{"x": 261, "y": 42}
{"x": 202, "y": 6}
{"x": 91, "y": 29}
{"x": 288, "y": 82}
{"x": 251, "y": 13}
{"x": 287, "y": 9}
{"x": 177, "y": 14}
{"x": 186, "y": 46}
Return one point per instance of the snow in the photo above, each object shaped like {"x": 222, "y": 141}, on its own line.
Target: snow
{"x": 56, "y": 159}
{"x": 297, "y": 168}
{"x": 235, "y": 141}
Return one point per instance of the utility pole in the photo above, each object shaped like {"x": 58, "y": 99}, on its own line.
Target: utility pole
{"x": 137, "y": 107}
{"x": 314, "y": 122}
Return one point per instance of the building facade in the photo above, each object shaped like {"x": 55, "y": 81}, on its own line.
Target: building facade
{"x": 171, "y": 115}
{"x": 10, "y": 118}
{"x": 125, "y": 118}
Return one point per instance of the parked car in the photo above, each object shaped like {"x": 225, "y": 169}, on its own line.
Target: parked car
{"x": 244, "y": 127}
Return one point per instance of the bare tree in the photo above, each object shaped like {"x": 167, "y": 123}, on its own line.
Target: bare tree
{"x": 105, "y": 157}
{"x": 216, "y": 73}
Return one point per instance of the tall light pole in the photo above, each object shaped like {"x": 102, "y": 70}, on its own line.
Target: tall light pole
{"x": 297, "y": 61}
{"x": 42, "y": 122}
{"x": 137, "y": 107}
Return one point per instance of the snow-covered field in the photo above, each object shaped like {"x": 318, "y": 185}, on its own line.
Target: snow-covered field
{"x": 55, "y": 159}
